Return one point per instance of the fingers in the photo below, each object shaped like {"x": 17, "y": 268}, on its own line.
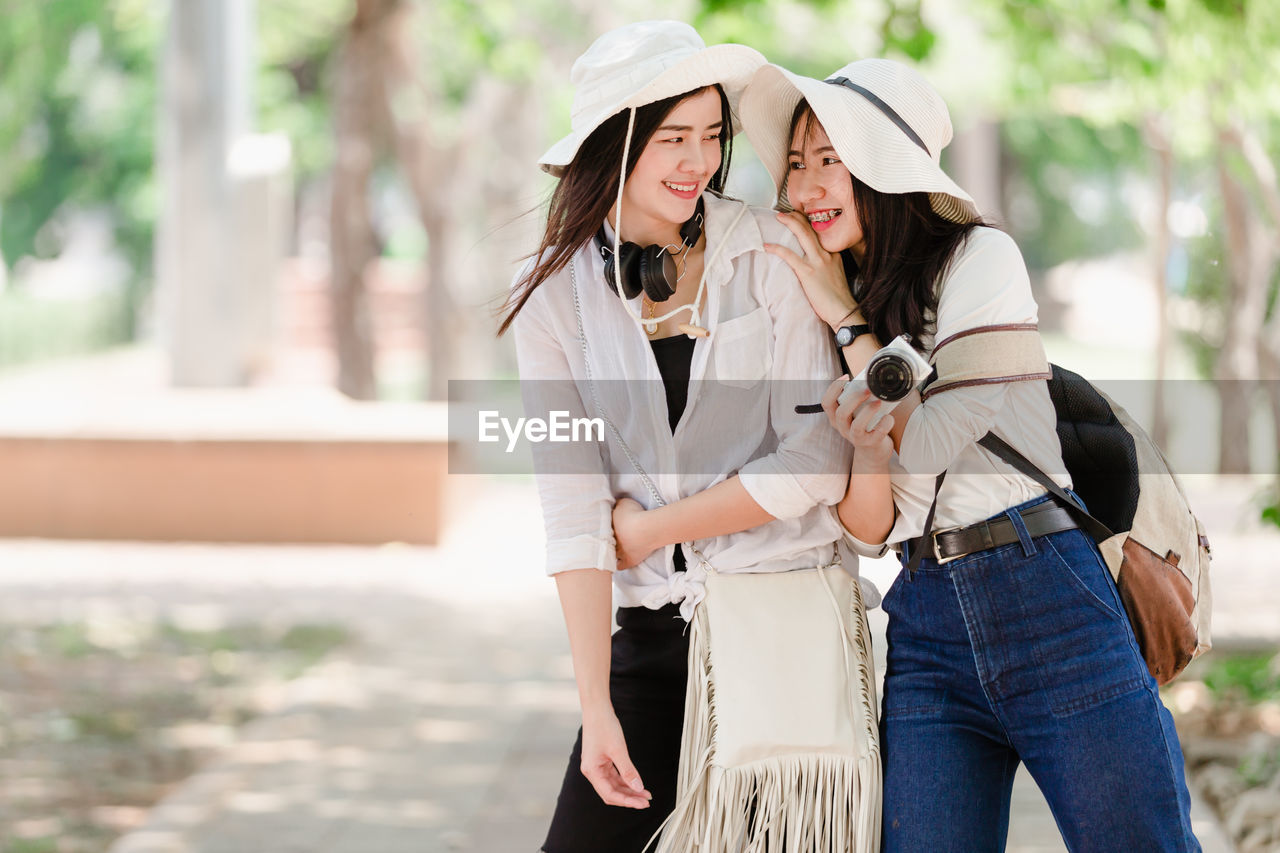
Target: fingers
{"x": 840, "y": 414}
{"x": 832, "y": 394}
{"x": 607, "y": 765}
{"x": 860, "y": 410}
{"x": 611, "y": 789}
{"x": 627, "y": 505}
{"x": 883, "y": 428}
{"x": 872, "y": 444}
{"x": 798, "y": 225}
{"x": 628, "y": 774}
{"x": 798, "y": 264}
{"x": 831, "y": 403}
{"x": 623, "y": 510}
{"x": 625, "y": 558}
{"x": 617, "y": 788}
{"x": 861, "y": 430}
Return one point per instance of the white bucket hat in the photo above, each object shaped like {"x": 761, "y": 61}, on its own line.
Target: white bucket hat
{"x": 886, "y": 122}
{"x": 641, "y": 63}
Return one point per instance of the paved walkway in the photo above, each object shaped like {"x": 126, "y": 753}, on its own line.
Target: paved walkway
{"x": 447, "y": 726}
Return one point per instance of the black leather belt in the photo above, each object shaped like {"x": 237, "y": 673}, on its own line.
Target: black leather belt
{"x": 956, "y": 542}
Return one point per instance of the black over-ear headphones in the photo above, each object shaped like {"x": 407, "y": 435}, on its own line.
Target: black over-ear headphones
{"x": 648, "y": 268}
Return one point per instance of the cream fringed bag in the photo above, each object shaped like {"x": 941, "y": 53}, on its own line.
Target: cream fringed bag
{"x": 780, "y": 748}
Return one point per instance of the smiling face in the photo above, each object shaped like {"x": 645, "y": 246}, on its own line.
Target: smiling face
{"x": 678, "y": 161}
{"x": 820, "y": 186}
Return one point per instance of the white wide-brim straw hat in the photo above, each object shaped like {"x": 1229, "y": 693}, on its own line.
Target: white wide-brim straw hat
{"x": 886, "y": 122}
{"x": 641, "y": 63}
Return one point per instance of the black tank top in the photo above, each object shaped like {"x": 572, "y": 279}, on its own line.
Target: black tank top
{"x": 675, "y": 356}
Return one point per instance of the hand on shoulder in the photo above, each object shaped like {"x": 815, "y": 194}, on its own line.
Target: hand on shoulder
{"x": 821, "y": 273}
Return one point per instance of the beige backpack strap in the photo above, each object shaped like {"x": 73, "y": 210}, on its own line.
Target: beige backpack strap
{"x": 985, "y": 355}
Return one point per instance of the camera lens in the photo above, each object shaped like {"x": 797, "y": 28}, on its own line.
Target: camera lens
{"x": 889, "y": 377}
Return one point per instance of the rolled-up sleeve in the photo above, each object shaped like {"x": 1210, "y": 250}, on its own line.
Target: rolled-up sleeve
{"x": 988, "y": 286}
{"x": 810, "y": 465}
{"x": 577, "y": 503}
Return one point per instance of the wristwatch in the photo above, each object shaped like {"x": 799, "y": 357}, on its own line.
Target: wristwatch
{"x": 846, "y": 335}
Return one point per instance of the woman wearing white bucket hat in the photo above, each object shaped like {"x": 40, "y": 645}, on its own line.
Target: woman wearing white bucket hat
{"x": 1007, "y": 638}
{"x": 698, "y": 323}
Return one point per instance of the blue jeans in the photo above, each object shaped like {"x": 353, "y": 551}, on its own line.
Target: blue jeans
{"x": 1023, "y": 653}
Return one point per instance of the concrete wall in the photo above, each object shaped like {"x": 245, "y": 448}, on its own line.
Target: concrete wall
{"x": 221, "y": 491}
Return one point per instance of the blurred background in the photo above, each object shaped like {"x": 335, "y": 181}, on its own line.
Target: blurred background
{"x": 245, "y": 245}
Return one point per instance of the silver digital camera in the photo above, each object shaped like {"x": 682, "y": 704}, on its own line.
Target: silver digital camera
{"x": 893, "y": 372}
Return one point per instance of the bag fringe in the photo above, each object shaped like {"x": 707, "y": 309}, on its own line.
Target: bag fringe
{"x": 785, "y": 804}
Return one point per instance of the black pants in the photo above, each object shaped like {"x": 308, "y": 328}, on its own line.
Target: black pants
{"x": 647, "y": 673}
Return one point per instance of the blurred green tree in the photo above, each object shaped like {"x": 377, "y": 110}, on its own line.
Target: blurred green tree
{"x": 1197, "y": 79}
{"x": 78, "y": 84}
{"x": 455, "y": 95}
{"x": 76, "y": 115}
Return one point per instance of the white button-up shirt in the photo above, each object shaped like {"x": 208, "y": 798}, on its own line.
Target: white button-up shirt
{"x": 986, "y": 285}
{"x": 767, "y": 351}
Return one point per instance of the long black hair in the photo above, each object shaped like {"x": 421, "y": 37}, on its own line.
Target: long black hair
{"x": 589, "y": 187}
{"x": 908, "y": 249}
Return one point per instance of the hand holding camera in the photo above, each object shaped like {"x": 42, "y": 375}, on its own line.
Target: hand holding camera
{"x": 893, "y": 372}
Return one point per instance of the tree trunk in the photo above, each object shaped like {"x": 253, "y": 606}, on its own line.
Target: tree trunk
{"x": 1158, "y": 141}
{"x": 975, "y": 155}
{"x": 353, "y": 244}
{"x": 441, "y": 313}
{"x": 1267, "y": 251}
{"x": 1237, "y": 366}
{"x": 431, "y": 171}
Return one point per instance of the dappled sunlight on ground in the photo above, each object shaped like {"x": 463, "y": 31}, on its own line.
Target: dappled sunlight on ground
{"x": 444, "y": 723}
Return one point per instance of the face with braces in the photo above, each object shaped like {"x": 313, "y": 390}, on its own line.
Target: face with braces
{"x": 819, "y": 186}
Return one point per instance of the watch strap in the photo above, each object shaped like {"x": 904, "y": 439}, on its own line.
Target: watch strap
{"x": 851, "y": 333}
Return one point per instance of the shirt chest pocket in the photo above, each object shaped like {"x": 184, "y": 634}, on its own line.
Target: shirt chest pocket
{"x": 743, "y": 349}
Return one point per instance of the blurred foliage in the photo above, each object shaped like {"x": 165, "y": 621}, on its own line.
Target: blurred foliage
{"x": 34, "y": 328}
{"x": 297, "y": 41}
{"x": 78, "y": 104}
{"x": 77, "y": 112}
{"x": 32, "y": 845}
{"x": 1090, "y": 74}
{"x": 1268, "y": 502}
{"x": 1072, "y": 82}
{"x": 1206, "y": 284}
{"x": 1253, "y": 677}
{"x": 1260, "y": 768}
{"x": 1069, "y": 195}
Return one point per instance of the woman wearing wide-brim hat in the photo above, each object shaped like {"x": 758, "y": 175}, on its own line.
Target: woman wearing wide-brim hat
{"x": 695, "y": 320}
{"x": 1007, "y": 639}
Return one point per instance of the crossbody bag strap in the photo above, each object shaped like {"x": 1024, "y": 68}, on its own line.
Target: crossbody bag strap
{"x": 916, "y": 547}
{"x": 591, "y": 385}
{"x": 613, "y": 429}
{"x": 1001, "y": 448}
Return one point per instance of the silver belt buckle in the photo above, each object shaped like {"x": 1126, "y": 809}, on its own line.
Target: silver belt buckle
{"x": 937, "y": 554}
